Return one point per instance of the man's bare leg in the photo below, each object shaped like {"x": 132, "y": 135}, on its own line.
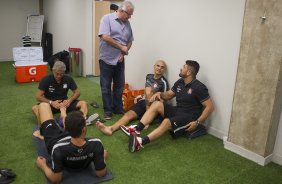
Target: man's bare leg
{"x": 124, "y": 120}
{"x": 82, "y": 106}
{"x": 157, "y": 108}
{"x": 63, "y": 114}
{"x": 35, "y": 111}
{"x": 45, "y": 113}
{"x": 160, "y": 130}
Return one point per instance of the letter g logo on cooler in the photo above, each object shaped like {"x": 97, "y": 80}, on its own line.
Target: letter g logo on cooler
{"x": 32, "y": 71}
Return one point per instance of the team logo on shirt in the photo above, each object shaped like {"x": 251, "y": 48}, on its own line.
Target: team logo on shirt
{"x": 80, "y": 150}
{"x": 65, "y": 86}
{"x": 51, "y": 89}
{"x": 189, "y": 91}
{"x": 155, "y": 85}
{"x": 178, "y": 89}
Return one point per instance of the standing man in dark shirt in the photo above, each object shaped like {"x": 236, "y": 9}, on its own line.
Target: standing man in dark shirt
{"x": 68, "y": 149}
{"x": 154, "y": 83}
{"x": 193, "y": 106}
{"x": 115, "y": 41}
{"x": 53, "y": 89}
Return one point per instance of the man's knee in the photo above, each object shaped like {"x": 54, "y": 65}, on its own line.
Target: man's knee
{"x": 43, "y": 105}
{"x": 157, "y": 106}
{"x": 82, "y": 103}
{"x": 35, "y": 109}
{"x": 130, "y": 115}
{"x": 166, "y": 123}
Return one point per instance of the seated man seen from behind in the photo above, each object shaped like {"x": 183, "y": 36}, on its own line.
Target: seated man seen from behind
{"x": 68, "y": 149}
{"x": 154, "y": 83}
{"x": 193, "y": 106}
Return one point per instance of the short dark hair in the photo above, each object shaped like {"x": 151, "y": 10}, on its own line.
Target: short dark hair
{"x": 194, "y": 66}
{"x": 74, "y": 123}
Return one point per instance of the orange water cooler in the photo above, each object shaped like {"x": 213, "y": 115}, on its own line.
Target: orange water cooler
{"x": 29, "y": 65}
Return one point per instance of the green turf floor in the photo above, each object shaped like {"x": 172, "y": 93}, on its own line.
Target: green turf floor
{"x": 202, "y": 160}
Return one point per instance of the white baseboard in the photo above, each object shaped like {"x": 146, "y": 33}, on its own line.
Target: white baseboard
{"x": 215, "y": 132}
{"x": 246, "y": 153}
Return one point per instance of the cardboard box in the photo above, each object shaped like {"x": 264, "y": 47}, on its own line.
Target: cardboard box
{"x": 131, "y": 97}
{"x": 29, "y": 65}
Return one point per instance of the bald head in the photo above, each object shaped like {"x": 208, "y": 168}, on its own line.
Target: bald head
{"x": 159, "y": 67}
{"x": 161, "y": 62}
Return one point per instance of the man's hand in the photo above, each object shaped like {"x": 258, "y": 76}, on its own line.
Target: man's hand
{"x": 124, "y": 49}
{"x": 66, "y": 103}
{"x": 53, "y": 177}
{"x": 191, "y": 126}
{"x": 40, "y": 161}
{"x": 56, "y": 104}
{"x": 156, "y": 96}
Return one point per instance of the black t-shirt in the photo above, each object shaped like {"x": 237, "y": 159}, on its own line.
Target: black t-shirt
{"x": 55, "y": 91}
{"x": 189, "y": 97}
{"x": 66, "y": 155}
{"x": 157, "y": 85}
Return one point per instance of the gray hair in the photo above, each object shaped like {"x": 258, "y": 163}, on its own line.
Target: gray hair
{"x": 125, "y": 5}
{"x": 59, "y": 66}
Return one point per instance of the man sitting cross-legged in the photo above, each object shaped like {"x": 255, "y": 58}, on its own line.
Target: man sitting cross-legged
{"x": 154, "y": 83}
{"x": 193, "y": 106}
{"x": 53, "y": 89}
{"x": 68, "y": 149}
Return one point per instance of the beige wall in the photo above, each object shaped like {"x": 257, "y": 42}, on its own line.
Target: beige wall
{"x": 258, "y": 92}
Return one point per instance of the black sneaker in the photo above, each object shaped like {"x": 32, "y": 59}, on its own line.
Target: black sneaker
{"x": 108, "y": 116}
{"x": 7, "y": 175}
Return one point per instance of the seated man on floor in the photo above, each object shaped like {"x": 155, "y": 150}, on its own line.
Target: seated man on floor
{"x": 68, "y": 149}
{"x": 53, "y": 89}
{"x": 193, "y": 106}
{"x": 154, "y": 83}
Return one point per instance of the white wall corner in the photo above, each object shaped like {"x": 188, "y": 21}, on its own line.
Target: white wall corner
{"x": 277, "y": 159}
{"x": 215, "y": 132}
{"x": 246, "y": 153}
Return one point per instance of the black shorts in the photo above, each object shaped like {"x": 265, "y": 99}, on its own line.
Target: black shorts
{"x": 52, "y": 133}
{"x": 178, "y": 120}
{"x": 70, "y": 108}
{"x": 139, "y": 108}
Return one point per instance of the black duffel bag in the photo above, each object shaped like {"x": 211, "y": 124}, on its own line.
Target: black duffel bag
{"x": 63, "y": 56}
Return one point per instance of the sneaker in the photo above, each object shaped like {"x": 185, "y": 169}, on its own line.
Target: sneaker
{"x": 93, "y": 119}
{"x": 129, "y": 129}
{"x": 108, "y": 115}
{"x": 134, "y": 143}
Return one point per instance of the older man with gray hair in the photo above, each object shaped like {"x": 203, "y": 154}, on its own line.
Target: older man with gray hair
{"x": 115, "y": 41}
{"x": 53, "y": 89}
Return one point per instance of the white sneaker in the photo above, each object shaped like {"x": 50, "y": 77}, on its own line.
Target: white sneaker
{"x": 92, "y": 119}
{"x": 129, "y": 129}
